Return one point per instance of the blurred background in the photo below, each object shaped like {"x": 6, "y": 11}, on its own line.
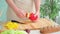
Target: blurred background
{"x": 3, "y": 10}
{"x": 49, "y": 9}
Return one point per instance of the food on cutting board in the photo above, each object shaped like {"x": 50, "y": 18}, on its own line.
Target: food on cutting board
{"x": 32, "y": 16}
{"x": 11, "y": 25}
{"x": 13, "y": 32}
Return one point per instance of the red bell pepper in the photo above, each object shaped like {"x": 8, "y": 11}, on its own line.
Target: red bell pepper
{"x": 33, "y": 17}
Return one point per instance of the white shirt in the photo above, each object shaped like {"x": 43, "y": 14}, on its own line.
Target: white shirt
{"x": 27, "y": 5}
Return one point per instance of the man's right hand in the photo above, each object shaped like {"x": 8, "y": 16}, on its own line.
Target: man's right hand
{"x": 20, "y": 13}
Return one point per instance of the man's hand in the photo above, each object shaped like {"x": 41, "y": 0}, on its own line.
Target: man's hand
{"x": 21, "y": 13}
{"x": 38, "y": 14}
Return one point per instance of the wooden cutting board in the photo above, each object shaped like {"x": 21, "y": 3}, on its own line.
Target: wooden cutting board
{"x": 39, "y": 24}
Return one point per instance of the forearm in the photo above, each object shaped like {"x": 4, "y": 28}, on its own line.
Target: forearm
{"x": 12, "y": 5}
{"x": 37, "y": 4}
{"x": 17, "y": 10}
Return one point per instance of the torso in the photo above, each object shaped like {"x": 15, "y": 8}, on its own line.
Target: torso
{"x": 27, "y": 5}
{"x": 24, "y": 4}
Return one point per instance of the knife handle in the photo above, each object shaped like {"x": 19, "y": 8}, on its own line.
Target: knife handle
{"x": 16, "y": 21}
